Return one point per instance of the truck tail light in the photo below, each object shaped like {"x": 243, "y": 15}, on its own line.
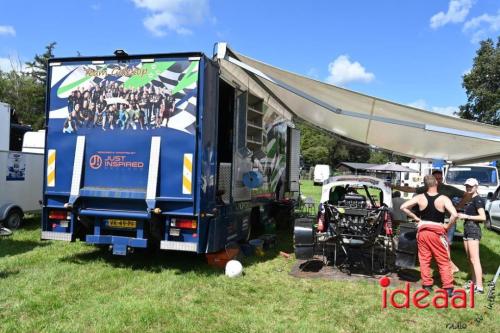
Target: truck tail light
{"x": 184, "y": 224}
{"x": 59, "y": 215}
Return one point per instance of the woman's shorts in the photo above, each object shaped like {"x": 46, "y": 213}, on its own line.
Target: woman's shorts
{"x": 472, "y": 231}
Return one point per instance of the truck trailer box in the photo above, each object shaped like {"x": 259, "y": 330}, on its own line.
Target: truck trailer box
{"x": 162, "y": 150}
{"x": 22, "y": 172}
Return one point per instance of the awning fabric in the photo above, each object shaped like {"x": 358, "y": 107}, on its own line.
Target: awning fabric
{"x": 399, "y": 128}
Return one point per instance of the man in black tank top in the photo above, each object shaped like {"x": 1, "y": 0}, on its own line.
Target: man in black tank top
{"x": 431, "y": 237}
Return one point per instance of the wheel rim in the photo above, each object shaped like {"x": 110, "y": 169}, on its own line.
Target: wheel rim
{"x": 14, "y": 221}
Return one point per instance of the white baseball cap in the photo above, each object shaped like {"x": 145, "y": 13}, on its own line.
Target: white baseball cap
{"x": 471, "y": 182}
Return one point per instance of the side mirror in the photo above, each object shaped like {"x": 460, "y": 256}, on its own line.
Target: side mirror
{"x": 490, "y": 196}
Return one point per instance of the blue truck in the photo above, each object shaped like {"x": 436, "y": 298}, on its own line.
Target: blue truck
{"x": 172, "y": 151}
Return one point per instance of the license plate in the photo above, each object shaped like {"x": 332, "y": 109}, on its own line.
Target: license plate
{"x": 121, "y": 224}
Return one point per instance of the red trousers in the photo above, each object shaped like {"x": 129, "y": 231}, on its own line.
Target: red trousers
{"x": 432, "y": 242}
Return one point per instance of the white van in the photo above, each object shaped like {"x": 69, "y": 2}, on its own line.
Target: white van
{"x": 321, "y": 173}
{"x": 486, "y": 175}
{"x": 21, "y": 170}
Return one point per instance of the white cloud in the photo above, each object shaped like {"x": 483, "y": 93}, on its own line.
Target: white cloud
{"x": 7, "y": 30}
{"x": 313, "y": 73}
{"x": 419, "y": 104}
{"x": 174, "y": 15}
{"x": 12, "y": 62}
{"x": 445, "y": 110}
{"x": 457, "y": 12}
{"x": 343, "y": 71}
{"x": 482, "y": 26}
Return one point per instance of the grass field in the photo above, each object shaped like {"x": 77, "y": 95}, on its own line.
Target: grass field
{"x": 72, "y": 287}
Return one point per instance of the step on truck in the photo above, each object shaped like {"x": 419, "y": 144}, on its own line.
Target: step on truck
{"x": 170, "y": 151}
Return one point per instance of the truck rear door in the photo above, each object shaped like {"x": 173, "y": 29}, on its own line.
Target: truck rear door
{"x": 121, "y": 142}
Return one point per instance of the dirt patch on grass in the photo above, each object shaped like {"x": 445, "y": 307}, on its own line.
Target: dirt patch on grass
{"x": 316, "y": 269}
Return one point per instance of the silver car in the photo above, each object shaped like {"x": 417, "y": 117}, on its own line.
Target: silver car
{"x": 492, "y": 208}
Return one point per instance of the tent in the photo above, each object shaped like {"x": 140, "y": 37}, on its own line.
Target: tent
{"x": 370, "y": 120}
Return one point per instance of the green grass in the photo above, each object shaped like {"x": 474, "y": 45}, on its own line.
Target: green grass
{"x": 73, "y": 287}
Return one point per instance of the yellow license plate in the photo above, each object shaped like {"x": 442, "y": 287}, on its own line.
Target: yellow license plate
{"x": 121, "y": 224}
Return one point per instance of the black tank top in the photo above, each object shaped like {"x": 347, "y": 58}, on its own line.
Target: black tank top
{"x": 430, "y": 213}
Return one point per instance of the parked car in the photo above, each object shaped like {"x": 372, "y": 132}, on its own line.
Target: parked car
{"x": 493, "y": 210}
{"x": 321, "y": 173}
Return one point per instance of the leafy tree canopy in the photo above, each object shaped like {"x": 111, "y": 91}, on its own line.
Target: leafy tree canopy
{"x": 482, "y": 85}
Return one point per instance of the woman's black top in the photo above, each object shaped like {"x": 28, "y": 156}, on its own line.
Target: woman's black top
{"x": 430, "y": 213}
{"x": 473, "y": 206}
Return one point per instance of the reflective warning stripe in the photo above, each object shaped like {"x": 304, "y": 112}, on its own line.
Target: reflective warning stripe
{"x": 51, "y": 168}
{"x": 187, "y": 174}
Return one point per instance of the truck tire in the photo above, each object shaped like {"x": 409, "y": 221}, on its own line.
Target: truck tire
{"x": 14, "y": 218}
{"x": 303, "y": 238}
{"x": 83, "y": 227}
{"x": 255, "y": 227}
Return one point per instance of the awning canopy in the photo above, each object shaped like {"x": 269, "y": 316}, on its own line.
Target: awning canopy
{"x": 399, "y": 128}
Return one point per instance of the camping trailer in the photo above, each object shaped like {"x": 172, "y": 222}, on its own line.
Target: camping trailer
{"x": 22, "y": 171}
{"x": 163, "y": 150}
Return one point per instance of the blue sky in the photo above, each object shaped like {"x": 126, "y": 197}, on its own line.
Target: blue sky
{"x": 412, "y": 52}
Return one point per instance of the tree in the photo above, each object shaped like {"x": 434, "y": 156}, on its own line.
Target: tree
{"x": 316, "y": 145}
{"x": 38, "y": 67}
{"x": 482, "y": 85}
{"x": 25, "y": 96}
{"x": 379, "y": 157}
{"x": 24, "y": 89}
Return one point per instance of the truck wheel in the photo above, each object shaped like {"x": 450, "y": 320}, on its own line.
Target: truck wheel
{"x": 487, "y": 223}
{"x": 255, "y": 227}
{"x": 14, "y": 218}
{"x": 83, "y": 227}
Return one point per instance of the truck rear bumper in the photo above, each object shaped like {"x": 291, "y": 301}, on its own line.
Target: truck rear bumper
{"x": 119, "y": 244}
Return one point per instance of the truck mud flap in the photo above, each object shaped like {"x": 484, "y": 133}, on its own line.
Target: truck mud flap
{"x": 303, "y": 236}
{"x": 406, "y": 252}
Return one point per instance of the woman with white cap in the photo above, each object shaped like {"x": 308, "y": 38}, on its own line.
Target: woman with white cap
{"x": 473, "y": 214}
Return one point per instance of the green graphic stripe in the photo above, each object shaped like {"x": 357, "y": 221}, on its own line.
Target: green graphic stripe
{"x": 73, "y": 85}
{"x": 271, "y": 148}
{"x": 153, "y": 71}
{"x": 188, "y": 79}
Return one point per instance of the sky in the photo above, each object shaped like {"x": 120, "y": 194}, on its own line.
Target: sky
{"x": 412, "y": 52}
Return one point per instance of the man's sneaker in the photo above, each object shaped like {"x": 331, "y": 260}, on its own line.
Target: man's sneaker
{"x": 478, "y": 290}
